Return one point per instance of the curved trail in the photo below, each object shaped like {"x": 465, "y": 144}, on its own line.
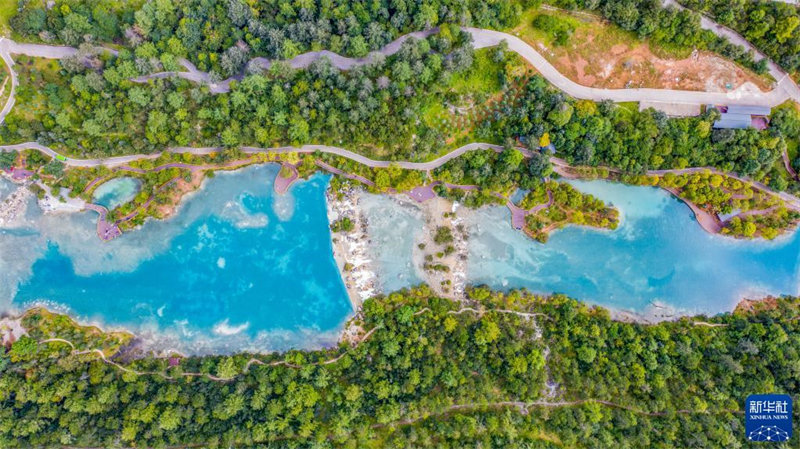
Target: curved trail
{"x": 298, "y": 62}
{"x": 482, "y": 38}
{"x": 525, "y": 407}
{"x": 784, "y": 81}
{"x": 790, "y": 200}
{"x": 9, "y": 47}
{"x": 254, "y": 361}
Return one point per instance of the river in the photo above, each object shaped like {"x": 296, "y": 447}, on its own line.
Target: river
{"x": 241, "y": 268}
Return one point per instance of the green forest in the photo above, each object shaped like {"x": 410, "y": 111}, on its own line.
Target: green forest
{"x": 408, "y": 106}
{"x": 503, "y": 370}
{"x": 374, "y": 109}
{"x": 221, "y": 35}
{"x": 771, "y": 26}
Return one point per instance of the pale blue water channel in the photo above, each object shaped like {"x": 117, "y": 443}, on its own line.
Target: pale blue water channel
{"x": 658, "y": 255}
{"x": 239, "y": 267}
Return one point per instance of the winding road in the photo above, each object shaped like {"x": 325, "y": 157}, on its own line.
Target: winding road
{"x": 481, "y": 38}
{"x": 785, "y": 88}
{"x": 559, "y": 164}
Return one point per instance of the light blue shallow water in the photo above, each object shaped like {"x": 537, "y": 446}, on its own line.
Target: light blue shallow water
{"x": 394, "y": 229}
{"x": 6, "y": 187}
{"x": 659, "y": 254}
{"x": 116, "y": 192}
{"x": 237, "y": 268}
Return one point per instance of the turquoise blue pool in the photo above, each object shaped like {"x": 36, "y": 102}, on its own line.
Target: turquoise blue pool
{"x": 237, "y": 268}
{"x": 659, "y": 256}
{"x": 116, "y": 192}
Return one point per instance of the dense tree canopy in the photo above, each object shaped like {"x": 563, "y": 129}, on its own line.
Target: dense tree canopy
{"x": 589, "y": 133}
{"x": 772, "y": 26}
{"x": 100, "y": 112}
{"x": 221, "y": 35}
{"x": 432, "y": 374}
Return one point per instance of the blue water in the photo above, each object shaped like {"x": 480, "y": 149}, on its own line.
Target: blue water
{"x": 237, "y": 268}
{"x": 116, "y": 192}
{"x": 395, "y": 228}
{"x": 519, "y": 195}
{"x": 240, "y": 268}
{"x": 659, "y": 254}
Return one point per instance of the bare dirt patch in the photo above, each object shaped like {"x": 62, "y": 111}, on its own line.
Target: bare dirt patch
{"x": 601, "y": 55}
{"x": 749, "y": 306}
{"x": 177, "y": 192}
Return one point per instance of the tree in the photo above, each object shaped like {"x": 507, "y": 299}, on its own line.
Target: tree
{"x": 358, "y": 46}
{"x": 170, "y": 419}
{"x": 544, "y": 141}
{"x": 226, "y": 369}
{"x": 139, "y": 96}
{"x": 23, "y": 349}
{"x": 511, "y": 158}
{"x": 487, "y": 332}
{"x": 539, "y": 165}
{"x": 298, "y": 130}
{"x": 7, "y": 159}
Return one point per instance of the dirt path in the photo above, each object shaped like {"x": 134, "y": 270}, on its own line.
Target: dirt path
{"x": 252, "y": 361}
{"x": 525, "y": 407}
{"x": 481, "y": 38}
{"x": 788, "y": 164}
{"x": 560, "y": 165}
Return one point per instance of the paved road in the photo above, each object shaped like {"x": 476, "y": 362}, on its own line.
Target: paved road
{"x": 784, "y": 81}
{"x": 487, "y": 38}
{"x": 785, "y": 88}
{"x": 123, "y": 160}
{"x": 791, "y": 201}
{"x": 4, "y": 44}
{"x": 9, "y": 47}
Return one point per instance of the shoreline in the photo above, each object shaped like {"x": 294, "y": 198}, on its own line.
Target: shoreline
{"x": 350, "y": 249}
{"x": 14, "y": 206}
{"x": 441, "y": 212}
{"x": 710, "y": 223}
{"x": 144, "y": 343}
{"x": 356, "y": 248}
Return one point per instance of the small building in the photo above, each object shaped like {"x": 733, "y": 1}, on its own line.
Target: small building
{"x": 742, "y": 117}
{"x": 733, "y": 121}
